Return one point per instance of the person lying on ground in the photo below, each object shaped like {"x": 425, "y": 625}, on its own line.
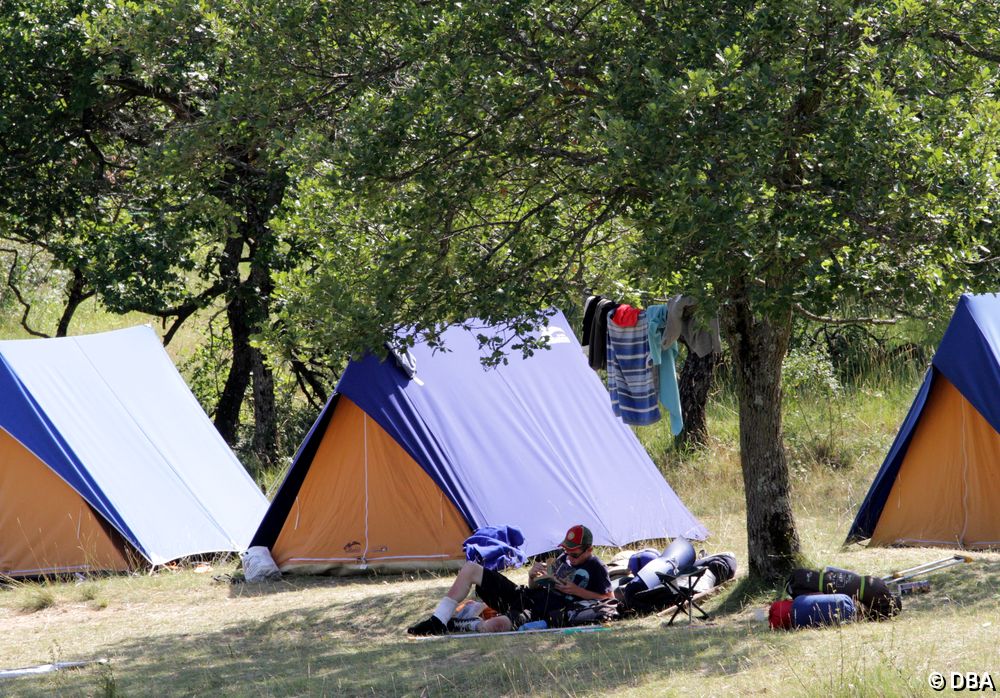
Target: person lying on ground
{"x": 577, "y": 574}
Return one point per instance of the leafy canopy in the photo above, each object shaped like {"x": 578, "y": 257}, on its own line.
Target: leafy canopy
{"x": 795, "y": 154}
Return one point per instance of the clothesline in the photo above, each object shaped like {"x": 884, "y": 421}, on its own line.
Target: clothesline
{"x": 638, "y": 349}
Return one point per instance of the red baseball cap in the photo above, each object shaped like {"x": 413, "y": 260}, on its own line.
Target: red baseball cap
{"x": 577, "y": 537}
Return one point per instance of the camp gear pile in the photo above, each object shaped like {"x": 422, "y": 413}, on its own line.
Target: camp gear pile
{"x": 867, "y": 597}
{"x": 671, "y": 579}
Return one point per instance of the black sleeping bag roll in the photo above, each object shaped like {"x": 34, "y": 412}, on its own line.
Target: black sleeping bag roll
{"x": 871, "y": 592}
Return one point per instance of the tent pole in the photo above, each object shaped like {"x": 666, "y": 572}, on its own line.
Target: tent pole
{"x": 965, "y": 478}
{"x": 364, "y": 555}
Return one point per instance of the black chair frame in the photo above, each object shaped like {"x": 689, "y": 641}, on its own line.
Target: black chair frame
{"x": 680, "y": 592}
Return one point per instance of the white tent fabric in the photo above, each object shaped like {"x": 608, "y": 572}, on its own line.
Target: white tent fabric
{"x": 122, "y": 418}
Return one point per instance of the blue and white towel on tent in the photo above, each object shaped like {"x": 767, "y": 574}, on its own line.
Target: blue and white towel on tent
{"x": 495, "y": 547}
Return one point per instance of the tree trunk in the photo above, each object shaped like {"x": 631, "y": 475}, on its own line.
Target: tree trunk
{"x": 260, "y": 288}
{"x": 265, "y": 435}
{"x": 227, "y": 411}
{"x": 76, "y": 293}
{"x": 694, "y": 384}
{"x": 249, "y": 307}
{"x": 758, "y": 346}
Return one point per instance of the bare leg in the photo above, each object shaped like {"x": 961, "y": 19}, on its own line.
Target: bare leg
{"x": 497, "y": 624}
{"x": 469, "y": 576}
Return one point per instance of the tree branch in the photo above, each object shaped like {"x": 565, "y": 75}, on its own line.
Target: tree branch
{"x": 960, "y": 42}
{"x": 181, "y": 109}
{"x": 826, "y": 320}
{"x": 17, "y": 294}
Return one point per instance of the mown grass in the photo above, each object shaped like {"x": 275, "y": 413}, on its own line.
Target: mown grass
{"x": 342, "y": 637}
{"x": 181, "y": 633}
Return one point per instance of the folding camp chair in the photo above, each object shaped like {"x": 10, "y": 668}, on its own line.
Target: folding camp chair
{"x": 678, "y": 592}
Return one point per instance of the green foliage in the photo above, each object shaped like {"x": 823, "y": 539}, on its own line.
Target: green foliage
{"x": 769, "y": 158}
{"x": 809, "y": 371}
{"x": 335, "y": 173}
{"x": 149, "y": 146}
{"x": 206, "y": 368}
{"x": 775, "y": 149}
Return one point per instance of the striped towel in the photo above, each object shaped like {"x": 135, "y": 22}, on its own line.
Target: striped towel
{"x": 630, "y": 373}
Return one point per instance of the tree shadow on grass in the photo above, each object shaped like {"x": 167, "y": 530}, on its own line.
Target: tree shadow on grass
{"x": 358, "y": 646}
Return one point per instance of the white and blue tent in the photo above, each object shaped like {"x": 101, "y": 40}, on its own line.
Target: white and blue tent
{"x": 940, "y": 482}
{"x": 107, "y": 458}
{"x": 402, "y": 465}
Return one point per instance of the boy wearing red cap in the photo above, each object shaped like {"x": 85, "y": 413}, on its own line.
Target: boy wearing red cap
{"x": 577, "y": 574}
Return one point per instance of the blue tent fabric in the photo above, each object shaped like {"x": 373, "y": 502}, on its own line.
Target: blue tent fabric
{"x": 969, "y": 357}
{"x": 969, "y": 353}
{"x": 532, "y": 443}
{"x": 495, "y": 547}
{"x": 110, "y": 415}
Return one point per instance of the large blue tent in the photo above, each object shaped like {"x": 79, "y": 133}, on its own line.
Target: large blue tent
{"x": 102, "y": 443}
{"x": 940, "y": 482}
{"x": 398, "y": 469}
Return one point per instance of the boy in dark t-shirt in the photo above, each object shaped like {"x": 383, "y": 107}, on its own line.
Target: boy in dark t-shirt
{"x": 576, "y": 574}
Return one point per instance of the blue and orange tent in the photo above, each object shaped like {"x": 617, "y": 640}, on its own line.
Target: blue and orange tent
{"x": 106, "y": 458}
{"x": 940, "y": 482}
{"x": 398, "y": 470}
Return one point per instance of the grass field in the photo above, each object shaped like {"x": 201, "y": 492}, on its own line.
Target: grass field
{"x": 180, "y": 632}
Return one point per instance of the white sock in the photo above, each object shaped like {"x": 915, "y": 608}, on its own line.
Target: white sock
{"x": 445, "y": 609}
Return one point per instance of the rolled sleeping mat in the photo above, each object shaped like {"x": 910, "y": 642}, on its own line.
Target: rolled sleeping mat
{"x": 677, "y": 557}
{"x": 641, "y": 559}
{"x": 822, "y": 609}
{"x": 871, "y": 592}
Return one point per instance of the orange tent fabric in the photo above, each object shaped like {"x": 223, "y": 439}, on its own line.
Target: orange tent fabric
{"x": 366, "y": 502}
{"x": 45, "y": 526}
{"x": 945, "y": 491}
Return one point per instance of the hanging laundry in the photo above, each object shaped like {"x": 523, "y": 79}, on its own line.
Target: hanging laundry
{"x": 599, "y": 333}
{"x": 589, "y": 314}
{"x": 625, "y": 315}
{"x": 664, "y": 360}
{"x": 701, "y": 338}
{"x": 630, "y": 374}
